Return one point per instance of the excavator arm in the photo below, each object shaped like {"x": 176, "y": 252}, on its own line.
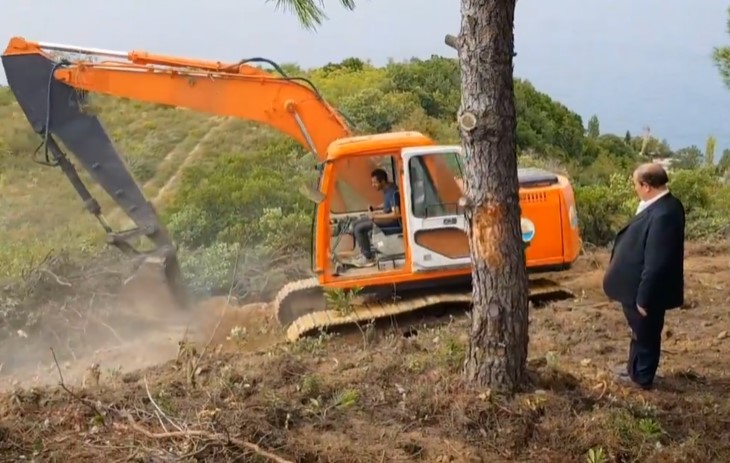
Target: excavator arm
{"x": 52, "y": 95}
{"x": 292, "y": 105}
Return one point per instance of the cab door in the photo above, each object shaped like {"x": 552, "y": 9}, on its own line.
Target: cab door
{"x": 432, "y": 188}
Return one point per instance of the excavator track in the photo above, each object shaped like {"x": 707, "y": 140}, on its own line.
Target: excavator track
{"x": 301, "y": 307}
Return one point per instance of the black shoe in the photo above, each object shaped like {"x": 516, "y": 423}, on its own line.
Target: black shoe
{"x": 625, "y": 380}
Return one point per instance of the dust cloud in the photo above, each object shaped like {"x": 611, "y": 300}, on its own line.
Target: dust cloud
{"x": 117, "y": 337}
{"x": 94, "y": 314}
{"x": 141, "y": 329}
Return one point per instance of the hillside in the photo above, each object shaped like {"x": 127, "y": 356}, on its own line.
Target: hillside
{"x": 224, "y": 188}
{"x": 350, "y": 398}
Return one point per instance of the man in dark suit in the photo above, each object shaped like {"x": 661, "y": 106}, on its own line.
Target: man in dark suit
{"x": 646, "y": 271}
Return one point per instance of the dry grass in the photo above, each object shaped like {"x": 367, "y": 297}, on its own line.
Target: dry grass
{"x": 402, "y": 399}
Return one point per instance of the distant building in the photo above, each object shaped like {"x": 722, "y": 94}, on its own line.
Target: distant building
{"x": 665, "y": 162}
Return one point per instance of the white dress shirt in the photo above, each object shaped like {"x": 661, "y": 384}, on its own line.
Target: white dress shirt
{"x": 644, "y": 204}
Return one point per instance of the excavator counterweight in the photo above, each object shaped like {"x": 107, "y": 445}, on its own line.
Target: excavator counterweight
{"x": 415, "y": 253}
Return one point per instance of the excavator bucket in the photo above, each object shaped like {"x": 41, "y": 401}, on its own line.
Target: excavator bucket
{"x": 56, "y": 112}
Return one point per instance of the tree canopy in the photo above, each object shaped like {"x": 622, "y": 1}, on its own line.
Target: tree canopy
{"x": 309, "y": 12}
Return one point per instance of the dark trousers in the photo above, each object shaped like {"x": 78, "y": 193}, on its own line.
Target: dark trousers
{"x": 361, "y": 230}
{"x": 645, "y": 345}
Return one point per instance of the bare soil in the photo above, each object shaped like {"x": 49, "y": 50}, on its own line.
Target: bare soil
{"x": 380, "y": 397}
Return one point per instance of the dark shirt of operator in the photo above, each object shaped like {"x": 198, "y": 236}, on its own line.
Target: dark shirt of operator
{"x": 391, "y": 199}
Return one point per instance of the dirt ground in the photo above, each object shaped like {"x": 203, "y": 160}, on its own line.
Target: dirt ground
{"x": 384, "y": 397}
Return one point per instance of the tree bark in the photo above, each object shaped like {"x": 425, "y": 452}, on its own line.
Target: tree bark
{"x": 497, "y": 352}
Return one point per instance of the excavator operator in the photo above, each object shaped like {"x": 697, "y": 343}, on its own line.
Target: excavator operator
{"x": 388, "y": 220}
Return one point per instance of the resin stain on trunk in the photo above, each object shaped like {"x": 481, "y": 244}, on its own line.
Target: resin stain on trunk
{"x": 487, "y": 232}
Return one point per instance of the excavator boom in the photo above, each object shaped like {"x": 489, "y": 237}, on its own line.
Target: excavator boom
{"x": 53, "y": 93}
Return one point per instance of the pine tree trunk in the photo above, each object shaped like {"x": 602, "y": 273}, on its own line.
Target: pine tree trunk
{"x": 497, "y": 352}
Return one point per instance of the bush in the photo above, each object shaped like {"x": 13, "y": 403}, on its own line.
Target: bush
{"x": 694, "y": 188}
{"x": 237, "y": 197}
{"x": 604, "y": 208}
{"x": 250, "y": 274}
{"x": 208, "y": 270}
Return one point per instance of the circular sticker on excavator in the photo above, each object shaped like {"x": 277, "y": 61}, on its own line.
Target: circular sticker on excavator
{"x": 528, "y": 230}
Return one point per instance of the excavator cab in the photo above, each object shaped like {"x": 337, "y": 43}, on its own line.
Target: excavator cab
{"x": 428, "y": 209}
{"x": 431, "y": 235}
{"x": 385, "y": 239}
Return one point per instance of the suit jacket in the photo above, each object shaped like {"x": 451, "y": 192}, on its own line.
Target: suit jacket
{"x": 647, "y": 260}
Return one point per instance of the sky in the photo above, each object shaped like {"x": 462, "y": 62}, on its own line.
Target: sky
{"x": 633, "y": 63}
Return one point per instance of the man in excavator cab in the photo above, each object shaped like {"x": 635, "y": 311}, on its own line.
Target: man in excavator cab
{"x": 389, "y": 220}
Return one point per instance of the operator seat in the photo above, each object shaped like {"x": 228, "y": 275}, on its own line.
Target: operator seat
{"x": 393, "y": 229}
{"x": 387, "y": 242}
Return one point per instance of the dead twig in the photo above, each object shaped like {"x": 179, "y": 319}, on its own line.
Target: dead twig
{"x": 157, "y": 407}
{"x": 32, "y": 267}
{"x": 603, "y": 386}
{"x": 68, "y": 347}
{"x": 111, "y": 329}
{"x": 58, "y": 279}
{"x": 216, "y": 437}
{"x": 453, "y": 449}
{"x": 195, "y": 452}
{"x": 86, "y": 403}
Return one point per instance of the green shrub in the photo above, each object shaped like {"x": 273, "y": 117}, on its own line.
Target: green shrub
{"x": 694, "y": 188}
{"x": 604, "y": 208}
{"x": 235, "y": 197}
{"x": 208, "y": 270}
{"x": 258, "y": 274}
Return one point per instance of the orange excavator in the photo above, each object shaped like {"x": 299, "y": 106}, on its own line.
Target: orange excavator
{"x": 422, "y": 257}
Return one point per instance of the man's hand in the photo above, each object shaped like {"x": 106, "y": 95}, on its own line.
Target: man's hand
{"x": 642, "y": 311}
